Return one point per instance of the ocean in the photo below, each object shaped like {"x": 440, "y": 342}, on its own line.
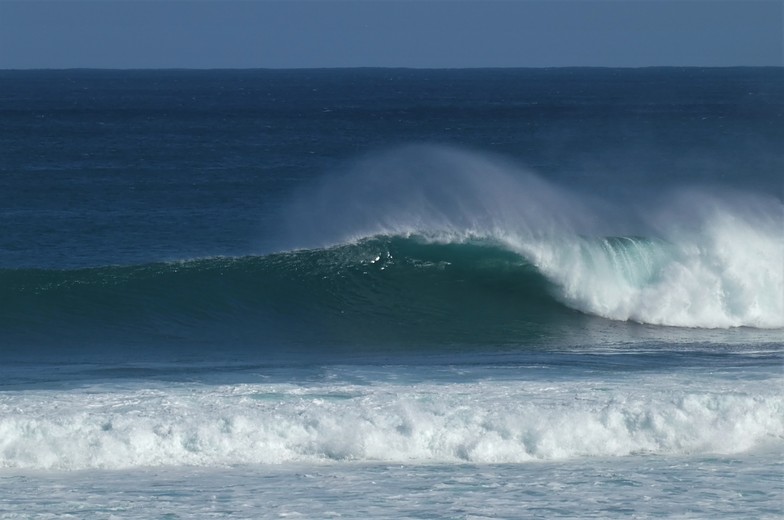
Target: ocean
{"x": 392, "y": 293}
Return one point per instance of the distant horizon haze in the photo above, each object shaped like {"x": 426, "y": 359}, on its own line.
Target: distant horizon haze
{"x": 127, "y": 34}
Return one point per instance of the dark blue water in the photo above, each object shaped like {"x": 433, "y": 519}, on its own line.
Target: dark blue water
{"x": 108, "y": 174}
{"x": 126, "y": 167}
{"x": 310, "y": 280}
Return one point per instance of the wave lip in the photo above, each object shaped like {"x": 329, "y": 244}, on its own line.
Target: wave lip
{"x": 487, "y": 422}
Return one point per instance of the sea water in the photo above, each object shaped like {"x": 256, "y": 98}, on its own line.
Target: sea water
{"x": 383, "y": 293}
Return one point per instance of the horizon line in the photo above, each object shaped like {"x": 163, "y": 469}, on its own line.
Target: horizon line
{"x": 381, "y": 67}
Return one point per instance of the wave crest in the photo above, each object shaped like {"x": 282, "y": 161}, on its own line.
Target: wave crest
{"x": 689, "y": 258}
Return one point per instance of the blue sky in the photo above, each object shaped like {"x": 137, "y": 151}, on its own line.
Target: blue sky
{"x": 392, "y": 33}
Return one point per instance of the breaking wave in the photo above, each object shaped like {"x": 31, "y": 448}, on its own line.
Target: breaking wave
{"x": 405, "y": 287}
{"x": 432, "y": 246}
{"x": 479, "y": 422}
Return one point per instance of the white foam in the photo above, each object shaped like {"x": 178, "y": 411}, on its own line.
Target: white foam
{"x": 727, "y": 271}
{"x": 481, "y": 422}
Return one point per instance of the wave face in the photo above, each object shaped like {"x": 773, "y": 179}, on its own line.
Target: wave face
{"x": 384, "y": 288}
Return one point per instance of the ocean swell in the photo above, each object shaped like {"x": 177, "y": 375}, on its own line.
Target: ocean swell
{"x": 379, "y": 290}
{"x": 400, "y": 289}
{"x": 434, "y": 246}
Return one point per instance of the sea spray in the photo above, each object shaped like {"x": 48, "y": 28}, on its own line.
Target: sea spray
{"x": 693, "y": 259}
{"x": 433, "y": 191}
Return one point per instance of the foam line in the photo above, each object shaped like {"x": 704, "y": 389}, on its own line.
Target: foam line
{"x": 485, "y": 422}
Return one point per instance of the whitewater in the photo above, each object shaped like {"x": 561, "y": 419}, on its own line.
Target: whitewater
{"x": 518, "y": 416}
